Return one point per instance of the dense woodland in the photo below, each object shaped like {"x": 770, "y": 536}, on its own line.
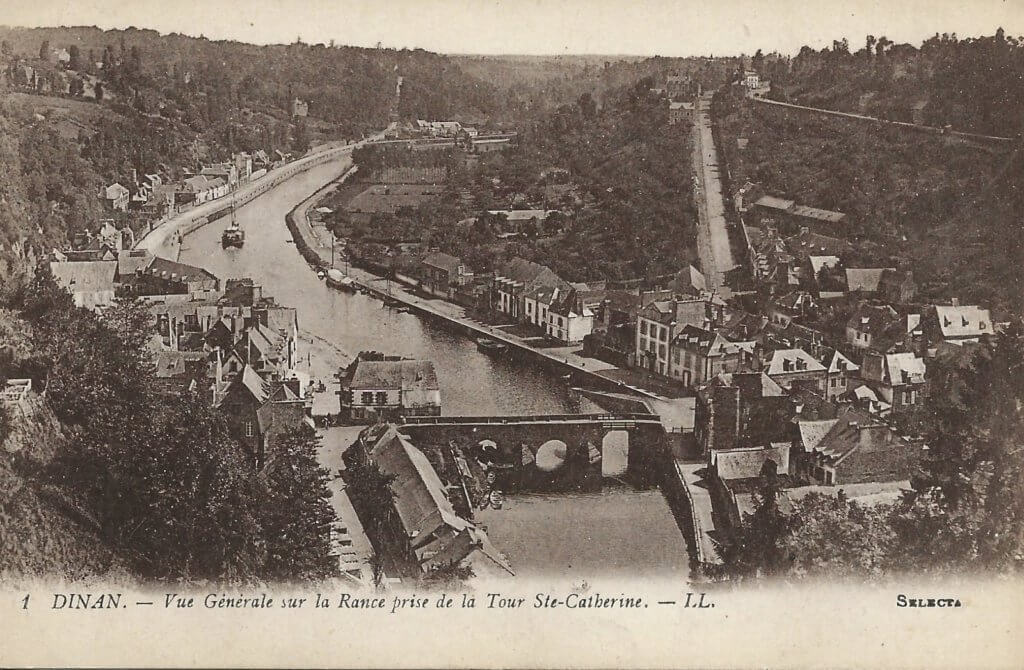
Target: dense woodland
{"x": 161, "y": 485}
{"x": 618, "y": 171}
{"x": 972, "y": 84}
{"x": 945, "y": 209}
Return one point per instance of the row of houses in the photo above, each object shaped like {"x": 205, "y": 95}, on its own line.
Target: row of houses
{"x": 154, "y": 193}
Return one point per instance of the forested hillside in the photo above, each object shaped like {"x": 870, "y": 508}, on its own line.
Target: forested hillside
{"x": 81, "y": 108}
{"x": 972, "y": 84}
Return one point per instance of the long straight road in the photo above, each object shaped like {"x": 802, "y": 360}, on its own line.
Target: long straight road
{"x": 712, "y": 236}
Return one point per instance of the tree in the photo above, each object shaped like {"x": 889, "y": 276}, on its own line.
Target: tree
{"x": 296, "y": 514}
{"x": 757, "y": 547}
{"x": 132, "y": 321}
{"x": 76, "y": 87}
{"x": 98, "y": 89}
{"x": 44, "y": 50}
{"x": 75, "y": 63}
{"x": 5, "y": 48}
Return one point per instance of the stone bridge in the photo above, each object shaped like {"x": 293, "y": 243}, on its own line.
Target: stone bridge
{"x": 554, "y": 451}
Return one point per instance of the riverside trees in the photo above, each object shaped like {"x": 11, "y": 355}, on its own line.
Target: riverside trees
{"x": 169, "y": 488}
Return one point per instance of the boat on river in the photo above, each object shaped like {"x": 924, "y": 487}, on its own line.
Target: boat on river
{"x": 337, "y": 279}
{"x": 233, "y": 236}
{"x": 489, "y": 346}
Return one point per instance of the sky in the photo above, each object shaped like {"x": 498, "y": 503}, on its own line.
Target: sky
{"x": 615, "y": 27}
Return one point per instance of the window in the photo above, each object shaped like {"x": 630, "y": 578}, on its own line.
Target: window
{"x": 248, "y": 428}
{"x": 367, "y": 397}
{"x": 661, "y": 351}
{"x": 382, "y": 397}
{"x": 643, "y": 327}
{"x": 832, "y": 382}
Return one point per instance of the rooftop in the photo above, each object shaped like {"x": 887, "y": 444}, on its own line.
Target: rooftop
{"x": 404, "y": 375}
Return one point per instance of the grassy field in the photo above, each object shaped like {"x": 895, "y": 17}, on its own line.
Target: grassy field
{"x": 381, "y": 198}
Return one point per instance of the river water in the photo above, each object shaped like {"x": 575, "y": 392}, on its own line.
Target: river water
{"x": 618, "y": 531}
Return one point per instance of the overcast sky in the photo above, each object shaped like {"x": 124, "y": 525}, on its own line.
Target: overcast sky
{"x": 640, "y": 27}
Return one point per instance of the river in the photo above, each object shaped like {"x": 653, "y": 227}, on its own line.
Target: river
{"x": 618, "y": 530}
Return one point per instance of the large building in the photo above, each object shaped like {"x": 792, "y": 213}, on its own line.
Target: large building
{"x": 514, "y": 280}
{"x": 372, "y": 390}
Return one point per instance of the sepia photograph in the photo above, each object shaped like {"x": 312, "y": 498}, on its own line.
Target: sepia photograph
{"x": 512, "y": 333}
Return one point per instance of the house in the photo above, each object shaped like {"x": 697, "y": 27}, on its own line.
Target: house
{"x": 442, "y": 274}
{"x": 115, "y": 197}
{"x": 955, "y": 324}
{"x": 697, "y": 355}
{"x": 739, "y": 410}
{"x": 261, "y": 160}
{"x": 660, "y": 321}
{"x": 91, "y": 283}
{"x": 898, "y": 379}
{"x": 841, "y": 371}
{"x": 538, "y": 302}
{"x": 680, "y": 112}
{"x": 483, "y": 145}
{"x": 513, "y": 280}
{"x": 856, "y": 448}
{"x": 807, "y": 243}
{"x": 243, "y": 165}
{"x": 203, "y": 188}
{"x": 432, "y": 533}
{"x": 680, "y": 86}
{"x": 689, "y": 281}
{"x": 784, "y": 309}
{"x": 875, "y": 327}
{"x": 380, "y": 389}
{"x": 258, "y": 412}
{"x": 165, "y": 277}
{"x": 226, "y": 172}
{"x": 897, "y": 287}
{"x": 519, "y": 219}
{"x": 865, "y": 281}
{"x": 300, "y": 108}
{"x": 571, "y": 316}
{"x": 751, "y": 79}
{"x": 786, "y": 366}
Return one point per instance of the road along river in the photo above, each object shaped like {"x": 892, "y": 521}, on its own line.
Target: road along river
{"x": 620, "y": 530}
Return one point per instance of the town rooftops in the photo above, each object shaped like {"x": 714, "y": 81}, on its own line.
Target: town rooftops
{"x": 403, "y": 375}
{"x": 808, "y": 243}
{"x": 421, "y": 502}
{"x": 522, "y": 271}
{"x": 764, "y": 386}
{"x": 114, "y": 191}
{"x": 706, "y": 342}
{"x": 748, "y": 463}
{"x": 85, "y": 276}
{"x": 784, "y": 361}
{"x": 866, "y": 280}
{"x": 959, "y": 321}
{"x": 443, "y": 261}
{"x": 172, "y": 270}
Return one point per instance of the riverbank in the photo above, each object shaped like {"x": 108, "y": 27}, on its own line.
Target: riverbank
{"x": 581, "y": 370}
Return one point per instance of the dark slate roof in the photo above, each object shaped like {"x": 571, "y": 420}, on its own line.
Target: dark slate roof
{"x": 404, "y": 375}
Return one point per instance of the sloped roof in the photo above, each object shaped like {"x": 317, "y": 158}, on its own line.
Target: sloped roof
{"x": 167, "y": 269}
{"x": 774, "y": 202}
{"x": 521, "y": 214}
{"x": 820, "y": 262}
{"x": 443, "y": 261}
{"x": 963, "y": 320}
{"x": 85, "y": 276}
{"x": 904, "y": 368}
{"x": 813, "y": 432}
{"x": 420, "y": 496}
{"x": 807, "y": 242}
{"x": 840, "y": 363}
{"x": 521, "y": 270}
{"x": 866, "y": 280}
{"x": 784, "y": 361}
{"x": 819, "y": 214}
{"x": 747, "y": 463}
{"x": 404, "y": 375}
